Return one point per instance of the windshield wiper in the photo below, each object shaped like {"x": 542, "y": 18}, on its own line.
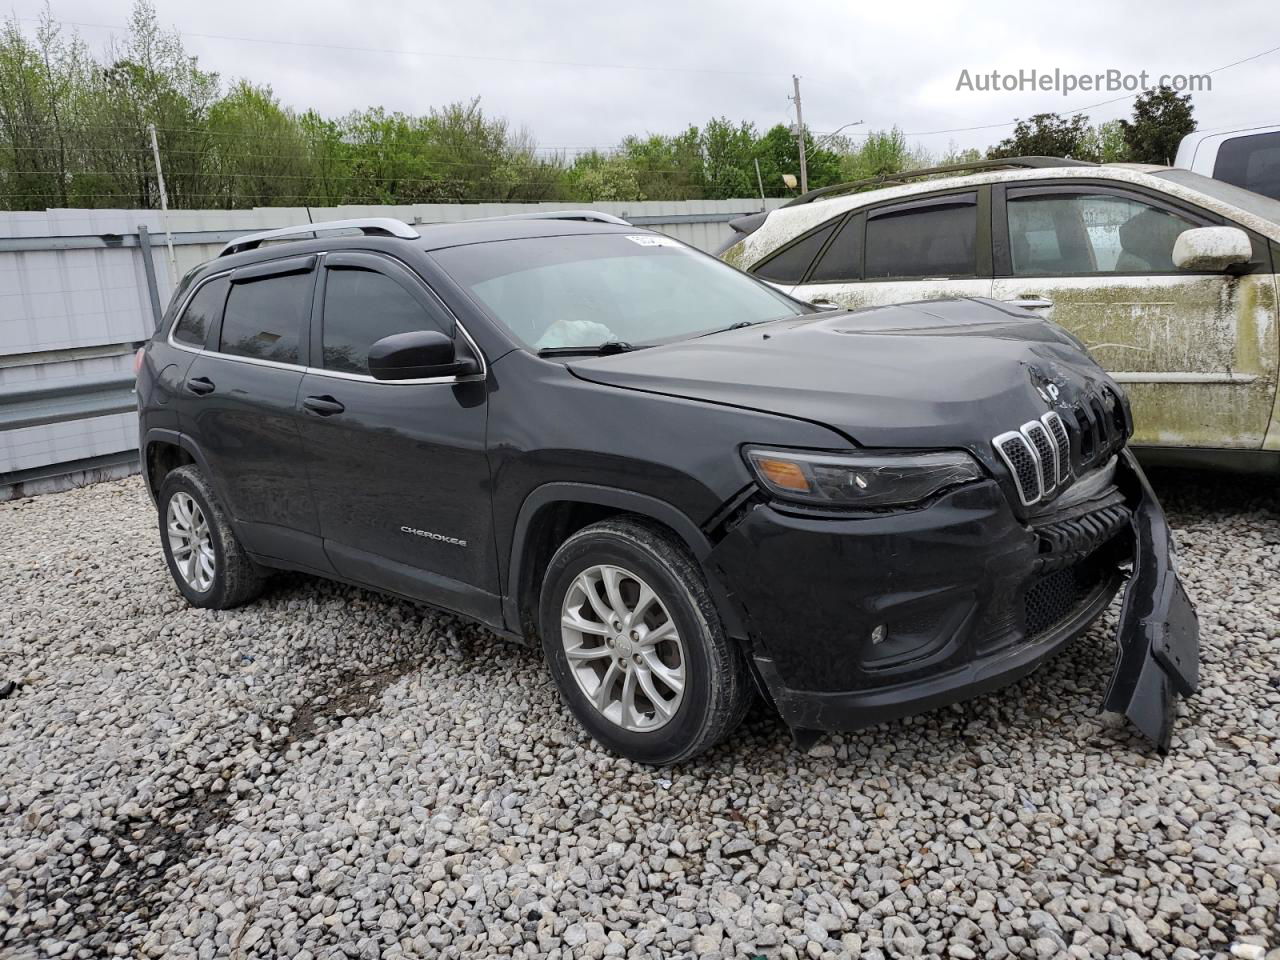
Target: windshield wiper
{"x": 736, "y": 326}
{"x": 589, "y": 350}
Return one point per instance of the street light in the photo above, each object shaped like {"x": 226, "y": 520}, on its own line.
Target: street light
{"x": 820, "y": 141}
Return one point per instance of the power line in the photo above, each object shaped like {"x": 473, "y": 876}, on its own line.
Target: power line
{"x": 1073, "y": 110}
{"x": 429, "y": 53}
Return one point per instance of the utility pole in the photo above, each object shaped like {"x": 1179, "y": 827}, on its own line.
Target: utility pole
{"x": 804, "y": 167}
{"x": 164, "y": 207}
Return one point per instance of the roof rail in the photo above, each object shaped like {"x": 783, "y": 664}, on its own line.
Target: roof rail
{"x": 369, "y": 226}
{"x": 889, "y": 179}
{"x": 590, "y": 215}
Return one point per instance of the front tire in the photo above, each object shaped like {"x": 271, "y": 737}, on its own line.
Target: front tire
{"x": 635, "y": 645}
{"x": 207, "y": 562}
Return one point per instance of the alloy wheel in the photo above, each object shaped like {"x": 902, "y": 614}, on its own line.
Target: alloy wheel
{"x": 190, "y": 541}
{"x": 623, "y": 648}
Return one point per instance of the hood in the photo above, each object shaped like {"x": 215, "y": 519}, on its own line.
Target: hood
{"x": 941, "y": 373}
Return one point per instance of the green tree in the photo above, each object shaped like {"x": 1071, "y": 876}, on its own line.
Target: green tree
{"x": 39, "y": 83}
{"x": 603, "y": 176}
{"x": 1161, "y": 118}
{"x": 148, "y": 79}
{"x": 779, "y": 153}
{"x": 1107, "y": 142}
{"x": 1048, "y": 135}
{"x": 667, "y": 167}
{"x": 882, "y": 152}
{"x": 727, "y": 159}
{"x": 257, "y": 150}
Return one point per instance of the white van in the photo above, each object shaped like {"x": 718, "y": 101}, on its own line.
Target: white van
{"x": 1248, "y": 158}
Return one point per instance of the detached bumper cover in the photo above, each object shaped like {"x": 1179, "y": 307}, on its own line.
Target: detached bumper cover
{"x": 1159, "y": 632}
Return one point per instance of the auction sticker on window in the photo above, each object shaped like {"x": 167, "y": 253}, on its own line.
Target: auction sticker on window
{"x": 653, "y": 240}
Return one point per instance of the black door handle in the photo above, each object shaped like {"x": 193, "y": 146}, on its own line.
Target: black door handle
{"x": 200, "y": 386}
{"x": 324, "y": 406}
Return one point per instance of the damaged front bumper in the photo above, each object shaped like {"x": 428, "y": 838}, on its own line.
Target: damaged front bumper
{"x": 1159, "y": 633}
{"x": 855, "y": 622}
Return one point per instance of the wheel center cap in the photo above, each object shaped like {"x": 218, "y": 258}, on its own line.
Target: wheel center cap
{"x": 624, "y": 646}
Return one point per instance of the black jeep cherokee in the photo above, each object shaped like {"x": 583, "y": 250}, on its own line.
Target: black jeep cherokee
{"x": 683, "y": 484}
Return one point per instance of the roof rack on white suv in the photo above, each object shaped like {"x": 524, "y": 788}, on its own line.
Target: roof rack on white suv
{"x": 370, "y": 226}
{"x": 888, "y": 179}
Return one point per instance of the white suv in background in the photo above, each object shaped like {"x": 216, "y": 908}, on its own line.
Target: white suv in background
{"x": 1249, "y": 158}
{"x": 1167, "y": 276}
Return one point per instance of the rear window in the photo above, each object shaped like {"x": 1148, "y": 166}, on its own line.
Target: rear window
{"x": 1251, "y": 162}
{"x": 263, "y": 319}
{"x": 201, "y": 313}
{"x": 589, "y": 289}
{"x": 934, "y": 240}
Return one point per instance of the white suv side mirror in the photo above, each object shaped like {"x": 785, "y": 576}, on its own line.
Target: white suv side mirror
{"x": 1211, "y": 248}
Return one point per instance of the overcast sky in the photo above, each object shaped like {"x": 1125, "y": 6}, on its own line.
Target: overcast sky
{"x": 557, "y": 67}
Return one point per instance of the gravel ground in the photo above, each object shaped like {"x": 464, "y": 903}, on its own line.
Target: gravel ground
{"x": 328, "y": 773}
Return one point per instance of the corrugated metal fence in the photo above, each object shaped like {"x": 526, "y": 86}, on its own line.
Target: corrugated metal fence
{"x": 80, "y": 290}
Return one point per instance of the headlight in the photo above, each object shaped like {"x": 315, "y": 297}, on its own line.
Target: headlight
{"x": 862, "y": 479}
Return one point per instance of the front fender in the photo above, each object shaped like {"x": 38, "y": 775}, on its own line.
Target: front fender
{"x": 625, "y": 500}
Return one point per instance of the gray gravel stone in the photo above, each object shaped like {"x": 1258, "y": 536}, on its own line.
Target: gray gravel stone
{"x": 328, "y": 774}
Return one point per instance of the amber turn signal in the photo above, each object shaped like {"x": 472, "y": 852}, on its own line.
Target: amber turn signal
{"x": 785, "y": 474}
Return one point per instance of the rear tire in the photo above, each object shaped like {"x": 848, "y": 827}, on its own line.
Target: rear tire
{"x": 627, "y": 619}
{"x": 208, "y": 564}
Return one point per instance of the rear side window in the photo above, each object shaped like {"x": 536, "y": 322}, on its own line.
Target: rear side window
{"x": 791, "y": 264}
{"x": 263, "y": 319}
{"x": 1252, "y": 163}
{"x": 934, "y": 240}
{"x": 843, "y": 259}
{"x": 202, "y": 313}
{"x": 360, "y": 308}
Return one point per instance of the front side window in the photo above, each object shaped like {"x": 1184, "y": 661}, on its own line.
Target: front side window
{"x": 587, "y": 289}
{"x": 202, "y": 313}
{"x": 1075, "y": 234}
{"x": 264, "y": 317}
{"x": 360, "y": 308}
{"x": 1251, "y": 162}
{"x": 936, "y": 240}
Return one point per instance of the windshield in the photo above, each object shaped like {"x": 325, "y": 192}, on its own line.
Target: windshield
{"x": 590, "y": 289}
{"x": 1246, "y": 200}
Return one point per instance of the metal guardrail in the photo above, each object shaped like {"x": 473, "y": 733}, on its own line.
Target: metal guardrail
{"x": 36, "y": 404}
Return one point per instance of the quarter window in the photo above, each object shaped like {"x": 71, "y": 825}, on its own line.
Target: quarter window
{"x": 202, "y": 313}
{"x": 1074, "y": 234}
{"x": 924, "y": 241}
{"x": 791, "y": 264}
{"x": 264, "y": 317}
{"x": 360, "y": 308}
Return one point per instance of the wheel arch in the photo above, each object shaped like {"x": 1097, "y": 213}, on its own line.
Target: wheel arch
{"x": 165, "y": 450}
{"x": 554, "y": 511}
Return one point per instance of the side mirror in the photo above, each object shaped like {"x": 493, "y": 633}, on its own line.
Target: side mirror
{"x": 417, "y": 355}
{"x": 1212, "y": 248}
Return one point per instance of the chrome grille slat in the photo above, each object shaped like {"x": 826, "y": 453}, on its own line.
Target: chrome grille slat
{"x": 1020, "y": 456}
{"x": 1062, "y": 441}
{"x": 1046, "y": 452}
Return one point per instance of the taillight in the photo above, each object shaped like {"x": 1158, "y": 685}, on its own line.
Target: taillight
{"x": 137, "y": 360}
